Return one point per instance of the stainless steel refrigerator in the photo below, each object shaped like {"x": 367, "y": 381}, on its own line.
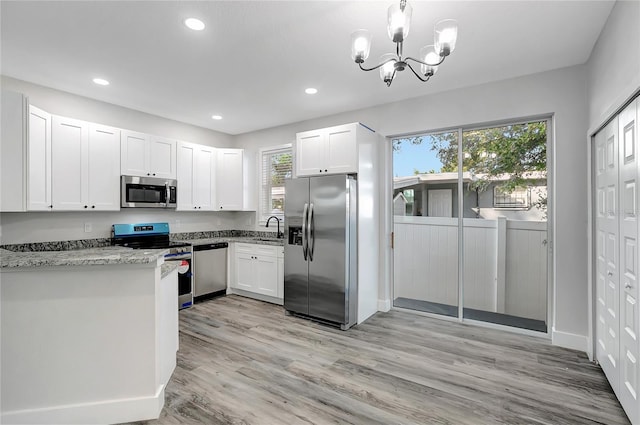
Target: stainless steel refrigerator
{"x": 320, "y": 250}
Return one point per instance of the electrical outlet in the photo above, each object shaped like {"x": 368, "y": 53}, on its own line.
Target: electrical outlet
{"x": 88, "y": 228}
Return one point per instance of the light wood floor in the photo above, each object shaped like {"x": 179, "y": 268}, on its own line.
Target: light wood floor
{"x": 243, "y": 361}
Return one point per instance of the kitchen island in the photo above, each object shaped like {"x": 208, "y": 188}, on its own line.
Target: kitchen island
{"x": 88, "y": 336}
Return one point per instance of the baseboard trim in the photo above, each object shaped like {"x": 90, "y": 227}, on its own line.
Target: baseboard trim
{"x": 384, "y": 305}
{"x": 569, "y": 340}
{"x": 110, "y": 411}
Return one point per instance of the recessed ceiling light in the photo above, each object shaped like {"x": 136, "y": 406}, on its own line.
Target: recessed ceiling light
{"x": 194, "y": 24}
{"x": 216, "y": 117}
{"x": 101, "y": 81}
{"x": 311, "y": 90}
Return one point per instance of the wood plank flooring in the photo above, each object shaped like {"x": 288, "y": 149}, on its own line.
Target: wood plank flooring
{"x": 242, "y": 361}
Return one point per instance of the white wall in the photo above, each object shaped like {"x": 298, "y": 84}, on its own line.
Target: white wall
{"x": 614, "y": 66}
{"x": 82, "y": 108}
{"x": 561, "y": 93}
{"x": 50, "y": 226}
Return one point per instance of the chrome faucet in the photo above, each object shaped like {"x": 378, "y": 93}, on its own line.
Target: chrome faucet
{"x": 278, "y": 235}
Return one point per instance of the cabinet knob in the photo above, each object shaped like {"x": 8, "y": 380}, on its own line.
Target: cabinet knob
{"x": 93, "y": 206}
{"x": 86, "y": 206}
{"x": 325, "y": 171}
{"x": 320, "y": 170}
{"x": 50, "y": 206}
{"x": 148, "y": 174}
{"x": 154, "y": 174}
{"x": 220, "y": 207}
{"x": 195, "y": 208}
{"x": 199, "y": 207}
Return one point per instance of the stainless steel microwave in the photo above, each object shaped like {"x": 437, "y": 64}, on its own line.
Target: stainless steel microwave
{"x": 148, "y": 192}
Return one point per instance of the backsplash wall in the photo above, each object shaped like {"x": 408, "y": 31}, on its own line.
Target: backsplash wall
{"x": 28, "y": 227}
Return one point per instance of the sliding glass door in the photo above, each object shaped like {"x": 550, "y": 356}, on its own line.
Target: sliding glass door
{"x": 425, "y": 187}
{"x": 470, "y": 224}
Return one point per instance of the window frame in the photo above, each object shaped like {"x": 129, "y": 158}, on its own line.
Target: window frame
{"x": 512, "y": 205}
{"x": 264, "y": 189}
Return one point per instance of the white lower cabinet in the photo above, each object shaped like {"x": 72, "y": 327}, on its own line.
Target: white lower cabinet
{"x": 258, "y": 269}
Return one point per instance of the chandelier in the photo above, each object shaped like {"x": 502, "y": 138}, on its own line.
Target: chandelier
{"x": 398, "y": 22}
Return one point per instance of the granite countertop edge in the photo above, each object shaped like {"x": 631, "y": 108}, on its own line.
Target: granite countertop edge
{"x": 242, "y": 239}
{"x": 79, "y": 257}
{"x": 167, "y": 268}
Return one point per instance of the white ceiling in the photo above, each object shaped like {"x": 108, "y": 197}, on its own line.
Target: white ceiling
{"x": 255, "y": 58}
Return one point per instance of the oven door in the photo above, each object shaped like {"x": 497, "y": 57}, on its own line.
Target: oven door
{"x": 148, "y": 192}
{"x": 185, "y": 278}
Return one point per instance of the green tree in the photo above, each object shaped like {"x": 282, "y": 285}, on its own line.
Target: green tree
{"x": 509, "y": 152}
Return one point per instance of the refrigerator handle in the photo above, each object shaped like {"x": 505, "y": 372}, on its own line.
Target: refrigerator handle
{"x": 305, "y": 243}
{"x": 311, "y": 238}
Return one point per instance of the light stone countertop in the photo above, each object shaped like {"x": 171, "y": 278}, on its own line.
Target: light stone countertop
{"x": 167, "y": 267}
{"x": 243, "y": 239}
{"x": 80, "y": 257}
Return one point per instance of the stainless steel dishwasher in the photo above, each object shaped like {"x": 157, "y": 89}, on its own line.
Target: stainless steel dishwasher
{"x": 209, "y": 270}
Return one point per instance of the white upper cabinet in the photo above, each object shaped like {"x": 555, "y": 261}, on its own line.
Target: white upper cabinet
{"x": 104, "y": 168}
{"x": 69, "y": 146}
{"x": 332, "y": 150}
{"x": 13, "y": 126}
{"x": 196, "y": 177}
{"x": 39, "y": 161}
{"x": 162, "y": 157}
{"x": 147, "y": 156}
{"x": 85, "y": 166}
{"x": 230, "y": 180}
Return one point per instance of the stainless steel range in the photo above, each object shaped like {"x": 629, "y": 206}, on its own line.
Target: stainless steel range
{"x": 156, "y": 236}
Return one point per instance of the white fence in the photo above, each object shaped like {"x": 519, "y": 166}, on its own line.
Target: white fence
{"x": 505, "y": 263}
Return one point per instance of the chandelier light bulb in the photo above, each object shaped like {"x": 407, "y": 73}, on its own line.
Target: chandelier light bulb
{"x": 399, "y": 21}
{"x": 360, "y": 45}
{"x": 387, "y": 71}
{"x": 446, "y": 33}
{"x": 428, "y": 54}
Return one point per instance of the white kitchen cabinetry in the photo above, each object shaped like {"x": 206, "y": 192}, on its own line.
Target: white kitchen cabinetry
{"x": 332, "y": 150}
{"x": 196, "y": 177}
{"x": 230, "y": 180}
{"x": 256, "y": 269}
{"x": 84, "y": 166}
{"x": 148, "y": 156}
{"x": 13, "y": 151}
{"x": 39, "y": 161}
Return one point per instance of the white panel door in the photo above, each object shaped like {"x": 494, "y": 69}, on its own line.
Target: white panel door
{"x": 204, "y": 178}
{"x": 310, "y": 150}
{"x": 628, "y": 184}
{"x": 266, "y": 274}
{"x": 69, "y": 185}
{"x": 245, "y": 271}
{"x": 39, "y": 161}
{"x": 186, "y": 176}
{"x": 607, "y": 253}
{"x": 440, "y": 203}
{"x": 229, "y": 179}
{"x": 162, "y": 158}
{"x": 134, "y": 150}
{"x": 341, "y": 152}
{"x": 104, "y": 168}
